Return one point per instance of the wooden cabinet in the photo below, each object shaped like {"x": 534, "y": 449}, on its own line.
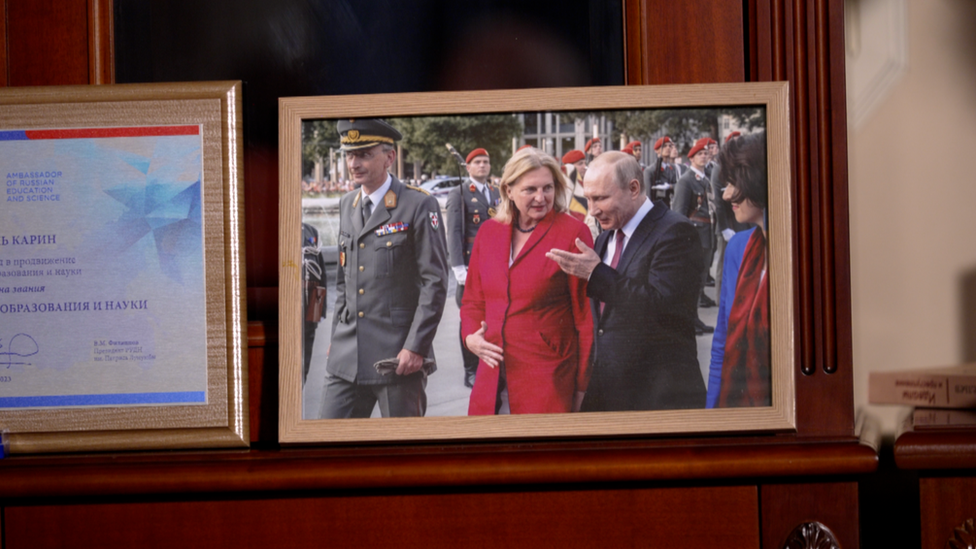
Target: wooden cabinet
{"x": 946, "y": 465}
{"x": 750, "y": 491}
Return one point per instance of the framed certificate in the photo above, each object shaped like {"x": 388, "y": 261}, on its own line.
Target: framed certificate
{"x": 121, "y": 279}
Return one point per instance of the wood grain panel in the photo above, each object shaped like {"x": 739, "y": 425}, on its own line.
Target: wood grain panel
{"x": 786, "y": 506}
{"x": 634, "y": 44}
{"x": 390, "y": 467}
{"x": 648, "y": 517}
{"x": 101, "y": 42}
{"x": 687, "y": 42}
{"x": 3, "y": 44}
{"x": 262, "y": 358}
{"x": 936, "y": 449}
{"x": 803, "y": 43}
{"x": 947, "y": 503}
{"x": 47, "y": 42}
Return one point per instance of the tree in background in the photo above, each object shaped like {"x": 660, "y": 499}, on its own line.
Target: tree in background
{"x": 424, "y": 139}
{"x": 318, "y": 136}
{"x": 684, "y": 126}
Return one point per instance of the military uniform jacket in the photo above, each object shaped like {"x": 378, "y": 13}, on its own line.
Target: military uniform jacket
{"x": 657, "y": 174}
{"x": 467, "y": 210}
{"x": 391, "y": 282}
{"x": 691, "y": 199}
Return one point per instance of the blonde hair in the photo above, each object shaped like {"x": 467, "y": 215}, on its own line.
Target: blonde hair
{"x": 523, "y": 162}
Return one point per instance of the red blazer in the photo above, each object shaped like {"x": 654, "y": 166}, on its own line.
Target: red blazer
{"x": 537, "y": 314}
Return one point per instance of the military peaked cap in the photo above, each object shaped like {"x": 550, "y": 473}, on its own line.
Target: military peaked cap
{"x": 363, "y": 133}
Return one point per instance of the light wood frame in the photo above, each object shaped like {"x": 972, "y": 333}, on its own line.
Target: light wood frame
{"x": 780, "y": 417}
{"x": 223, "y": 421}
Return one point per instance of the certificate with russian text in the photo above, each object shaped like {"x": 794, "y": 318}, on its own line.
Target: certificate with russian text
{"x": 101, "y": 268}
{"x": 122, "y": 291}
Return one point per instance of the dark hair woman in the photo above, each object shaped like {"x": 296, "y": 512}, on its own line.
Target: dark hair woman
{"x": 746, "y": 376}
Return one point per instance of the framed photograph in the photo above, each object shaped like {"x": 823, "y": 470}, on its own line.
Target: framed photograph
{"x": 660, "y": 344}
{"x": 121, "y": 268}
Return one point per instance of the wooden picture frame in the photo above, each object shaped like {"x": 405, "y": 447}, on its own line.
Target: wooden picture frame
{"x": 179, "y": 206}
{"x": 771, "y": 98}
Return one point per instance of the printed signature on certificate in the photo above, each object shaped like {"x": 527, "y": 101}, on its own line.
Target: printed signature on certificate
{"x": 19, "y": 347}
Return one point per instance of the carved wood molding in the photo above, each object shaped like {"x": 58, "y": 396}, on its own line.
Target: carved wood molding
{"x": 802, "y": 42}
{"x": 811, "y": 535}
{"x": 101, "y": 42}
{"x": 964, "y": 536}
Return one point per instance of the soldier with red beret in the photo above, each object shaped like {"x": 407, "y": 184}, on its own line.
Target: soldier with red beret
{"x": 634, "y": 148}
{"x": 692, "y": 200}
{"x": 469, "y": 205}
{"x": 593, "y": 149}
{"x": 661, "y": 177}
{"x": 578, "y": 205}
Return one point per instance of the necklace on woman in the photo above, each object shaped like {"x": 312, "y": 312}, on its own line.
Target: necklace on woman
{"x": 521, "y": 230}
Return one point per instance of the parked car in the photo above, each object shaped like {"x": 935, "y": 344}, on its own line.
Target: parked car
{"x": 440, "y": 186}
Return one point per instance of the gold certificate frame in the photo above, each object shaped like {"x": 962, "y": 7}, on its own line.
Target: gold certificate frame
{"x": 771, "y": 98}
{"x": 206, "y": 217}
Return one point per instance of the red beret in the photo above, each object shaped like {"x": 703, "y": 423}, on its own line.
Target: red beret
{"x": 526, "y": 146}
{"x": 699, "y": 145}
{"x": 710, "y": 141}
{"x": 731, "y": 136}
{"x": 474, "y": 153}
{"x": 628, "y": 149}
{"x": 633, "y": 144}
{"x": 660, "y": 142}
{"x": 573, "y": 156}
{"x": 590, "y": 144}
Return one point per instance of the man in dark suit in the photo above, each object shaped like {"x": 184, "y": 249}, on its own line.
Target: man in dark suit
{"x": 643, "y": 284}
{"x": 468, "y": 206}
{"x": 390, "y": 286}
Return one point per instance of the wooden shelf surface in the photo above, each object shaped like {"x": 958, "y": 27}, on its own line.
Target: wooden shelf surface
{"x": 398, "y": 467}
{"x": 936, "y": 449}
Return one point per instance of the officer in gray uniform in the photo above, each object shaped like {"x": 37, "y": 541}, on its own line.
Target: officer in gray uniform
{"x": 391, "y": 283}
{"x": 691, "y": 199}
{"x": 468, "y": 206}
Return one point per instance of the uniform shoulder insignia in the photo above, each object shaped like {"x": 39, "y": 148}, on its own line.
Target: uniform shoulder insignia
{"x": 411, "y": 187}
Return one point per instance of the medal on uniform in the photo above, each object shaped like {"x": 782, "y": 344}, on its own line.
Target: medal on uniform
{"x": 391, "y": 228}
{"x": 491, "y": 212}
{"x": 342, "y": 258}
{"x": 476, "y": 219}
{"x": 472, "y": 188}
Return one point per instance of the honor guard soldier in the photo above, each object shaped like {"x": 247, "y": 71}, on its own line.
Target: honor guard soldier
{"x": 691, "y": 199}
{"x": 578, "y": 205}
{"x": 635, "y": 149}
{"x": 469, "y": 205}
{"x": 661, "y": 177}
{"x": 593, "y": 149}
{"x": 391, "y": 283}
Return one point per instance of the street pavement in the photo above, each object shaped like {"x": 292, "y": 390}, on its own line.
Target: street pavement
{"x": 446, "y": 393}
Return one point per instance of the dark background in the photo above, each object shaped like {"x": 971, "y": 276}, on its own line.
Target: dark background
{"x": 328, "y": 47}
{"x": 292, "y": 48}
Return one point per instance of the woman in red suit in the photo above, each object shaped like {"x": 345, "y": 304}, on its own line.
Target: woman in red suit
{"x": 529, "y": 323}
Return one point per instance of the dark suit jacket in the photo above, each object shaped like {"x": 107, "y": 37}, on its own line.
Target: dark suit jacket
{"x": 645, "y": 354}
